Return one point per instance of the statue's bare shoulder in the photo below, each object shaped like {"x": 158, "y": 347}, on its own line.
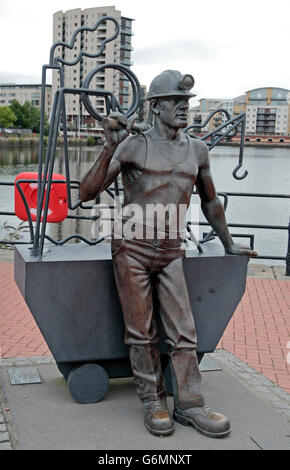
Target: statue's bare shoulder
{"x": 131, "y": 150}
{"x": 201, "y": 153}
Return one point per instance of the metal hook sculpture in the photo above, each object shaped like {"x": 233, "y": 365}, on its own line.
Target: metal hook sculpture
{"x": 227, "y": 129}
{"x": 58, "y": 113}
{"x": 82, "y": 53}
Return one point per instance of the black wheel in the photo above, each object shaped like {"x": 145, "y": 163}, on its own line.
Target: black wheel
{"x": 88, "y": 383}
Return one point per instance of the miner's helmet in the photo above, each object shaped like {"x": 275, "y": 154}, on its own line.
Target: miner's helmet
{"x": 171, "y": 83}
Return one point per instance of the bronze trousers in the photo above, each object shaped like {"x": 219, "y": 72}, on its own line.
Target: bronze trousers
{"x": 140, "y": 266}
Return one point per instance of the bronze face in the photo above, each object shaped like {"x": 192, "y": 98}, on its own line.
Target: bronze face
{"x": 172, "y": 110}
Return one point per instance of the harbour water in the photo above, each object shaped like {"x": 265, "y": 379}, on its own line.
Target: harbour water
{"x": 268, "y": 172}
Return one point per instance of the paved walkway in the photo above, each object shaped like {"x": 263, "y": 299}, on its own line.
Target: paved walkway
{"x": 258, "y": 334}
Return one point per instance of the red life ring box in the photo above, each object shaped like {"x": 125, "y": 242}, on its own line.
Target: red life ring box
{"x": 57, "y": 207}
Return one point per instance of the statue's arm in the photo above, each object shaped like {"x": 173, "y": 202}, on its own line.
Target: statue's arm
{"x": 212, "y": 207}
{"x": 106, "y": 168}
{"x": 101, "y": 172}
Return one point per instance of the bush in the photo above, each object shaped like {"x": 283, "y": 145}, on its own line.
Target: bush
{"x": 91, "y": 140}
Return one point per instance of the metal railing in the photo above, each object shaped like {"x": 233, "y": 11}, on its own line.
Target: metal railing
{"x": 74, "y": 184}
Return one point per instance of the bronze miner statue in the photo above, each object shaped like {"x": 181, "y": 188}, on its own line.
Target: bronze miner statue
{"x": 160, "y": 166}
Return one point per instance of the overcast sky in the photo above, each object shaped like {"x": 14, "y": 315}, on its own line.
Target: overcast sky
{"x": 229, "y": 47}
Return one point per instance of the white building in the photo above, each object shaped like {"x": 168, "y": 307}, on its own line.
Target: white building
{"x": 23, "y": 93}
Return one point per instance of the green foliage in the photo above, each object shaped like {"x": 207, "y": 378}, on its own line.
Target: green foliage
{"x": 7, "y": 117}
{"x": 91, "y": 140}
{"x": 16, "y": 107}
{"x": 28, "y": 116}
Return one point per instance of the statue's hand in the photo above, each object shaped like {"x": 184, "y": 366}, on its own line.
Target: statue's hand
{"x": 117, "y": 127}
{"x": 237, "y": 249}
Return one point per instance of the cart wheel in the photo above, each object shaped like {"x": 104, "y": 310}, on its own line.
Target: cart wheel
{"x": 88, "y": 383}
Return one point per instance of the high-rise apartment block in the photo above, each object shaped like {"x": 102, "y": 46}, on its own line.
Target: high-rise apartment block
{"x": 117, "y": 51}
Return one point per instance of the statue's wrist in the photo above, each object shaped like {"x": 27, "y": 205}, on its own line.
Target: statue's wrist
{"x": 110, "y": 146}
{"x": 228, "y": 246}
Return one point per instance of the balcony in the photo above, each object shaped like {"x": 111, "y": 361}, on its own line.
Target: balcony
{"x": 127, "y": 31}
{"x": 126, "y": 62}
{"x": 282, "y": 98}
{"x": 255, "y": 98}
{"x": 126, "y": 47}
{"x": 124, "y": 92}
{"x": 266, "y": 119}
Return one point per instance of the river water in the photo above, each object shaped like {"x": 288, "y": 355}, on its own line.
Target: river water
{"x": 268, "y": 172}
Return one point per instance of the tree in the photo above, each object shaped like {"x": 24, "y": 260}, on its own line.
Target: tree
{"x": 16, "y": 108}
{"x": 7, "y": 117}
{"x": 28, "y": 116}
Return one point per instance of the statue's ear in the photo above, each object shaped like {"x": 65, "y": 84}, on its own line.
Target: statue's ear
{"x": 154, "y": 104}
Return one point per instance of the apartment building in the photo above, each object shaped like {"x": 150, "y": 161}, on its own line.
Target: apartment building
{"x": 267, "y": 111}
{"x": 199, "y": 113}
{"x": 117, "y": 51}
{"x": 23, "y": 93}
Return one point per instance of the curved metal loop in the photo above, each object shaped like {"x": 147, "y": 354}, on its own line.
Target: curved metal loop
{"x": 209, "y": 117}
{"x": 77, "y": 237}
{"x": 216, "y": 135}
{"x": 237, "y": 177}
{"x": 111, "y": 102}
{"x": 53, "y": 60}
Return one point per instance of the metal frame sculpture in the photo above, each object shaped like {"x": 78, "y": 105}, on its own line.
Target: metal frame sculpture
{"x": 58, "y": 113}
{"x": 231, "y": 128}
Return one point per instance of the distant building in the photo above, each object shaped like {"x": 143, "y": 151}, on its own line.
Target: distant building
{"x": 267, "y": 111}
{"x": 23, "y": 93}
{"x": 117, "y": 51}
{"x": 143, "y": 110}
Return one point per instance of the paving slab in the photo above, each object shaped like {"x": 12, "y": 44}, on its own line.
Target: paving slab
{"x": 45, "y": 416}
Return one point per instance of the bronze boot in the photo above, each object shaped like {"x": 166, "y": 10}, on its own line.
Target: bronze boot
{"x": 157, "y": 418}
{"x": 204, "y": 420}
{"x": 189, "y": 404}
{"x": 150, "y": 386}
